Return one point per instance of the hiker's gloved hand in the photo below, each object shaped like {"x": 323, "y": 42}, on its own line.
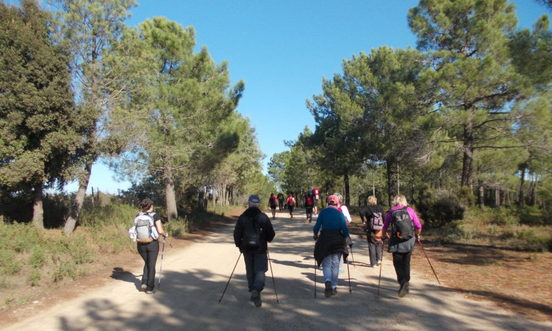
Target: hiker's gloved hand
{"x": 315, "y": 237}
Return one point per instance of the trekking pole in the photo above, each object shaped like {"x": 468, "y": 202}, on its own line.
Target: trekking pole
{"x": 349, "y": 274}
{"x": 272, "y": 273}
{"x": 423, "y": 250}
{"x": 230, "y": 278}
{"x": 352, "y": 256}
{"x": 379, "y": 279}
{"x": 315, "y": 278}
{"x": 161, "y": 263}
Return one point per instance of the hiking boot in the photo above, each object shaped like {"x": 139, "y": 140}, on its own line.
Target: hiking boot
{"x": 328, "y": 290}
{"x": 256, "y": 298}
{"x": 403, "y": 290}
{"x": 143, "y": 287}
{"x": 334, "y": 291}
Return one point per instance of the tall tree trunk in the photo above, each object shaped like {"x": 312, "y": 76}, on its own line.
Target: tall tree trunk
{"x": 481, "y": 196}
{"x": 532, "y": 193}
{"x": 521, "y": 194}
{"x": 391, "y": 180}
{"x": 467, "y": 163}
{"x": 347, "y": 187}
{"x": 170, "y": 195}
{"x": 38, "y": 210}
{"x": 76, "y": 208}
{"x": 497, "y": 197}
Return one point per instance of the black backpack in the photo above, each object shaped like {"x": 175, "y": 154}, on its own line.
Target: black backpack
{"x": 401, "y": 224}
{"x": 251, "y": 235}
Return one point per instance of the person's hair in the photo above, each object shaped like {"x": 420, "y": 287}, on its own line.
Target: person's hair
{"x": 400, "y": 200}
{"x": 146, "y": 204}
{"x": 339, "y": 196}
{"x": 372, "y": 201}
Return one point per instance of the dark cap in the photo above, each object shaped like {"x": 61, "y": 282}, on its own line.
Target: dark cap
{"x": 253, "y": 198}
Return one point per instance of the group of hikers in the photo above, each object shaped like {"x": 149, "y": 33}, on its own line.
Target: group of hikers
{"x": 253, "y": 231}
{"x": 310, "y": 201}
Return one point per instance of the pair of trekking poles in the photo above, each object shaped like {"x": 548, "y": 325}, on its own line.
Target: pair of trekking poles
{"x": 427, "y": 258}
{"x": 235, "y": 265}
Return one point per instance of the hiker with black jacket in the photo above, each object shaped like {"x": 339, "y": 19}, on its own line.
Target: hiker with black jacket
{"x": 330, "y": 244}
{"x": 252, "y": 232}
{"x": 403, "y": 228}
{"x": 372, "y": 218}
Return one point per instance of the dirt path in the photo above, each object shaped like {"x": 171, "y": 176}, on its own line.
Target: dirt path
{"x": 194, "y": 277}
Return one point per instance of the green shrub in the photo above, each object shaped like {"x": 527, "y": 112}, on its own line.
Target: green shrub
{"x": 37, "y": 258}
{"x": 34, "y": 278}
{"x": 438, "y": 208}
{"x": 64, "y": 270}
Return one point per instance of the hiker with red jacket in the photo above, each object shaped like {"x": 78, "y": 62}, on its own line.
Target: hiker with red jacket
{"x": 309, "y": 205}
{"x": 252, "y": 232}
{"x": 403, "y": 228}
{"x": 372, "y": 218}
{"x": 290, "y": 202}
{"x": 330, "y": 244}
{"x": 316, "y": 198}
{"x": 273, "y": 203}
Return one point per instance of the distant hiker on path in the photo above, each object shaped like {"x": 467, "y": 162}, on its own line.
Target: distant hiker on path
{"x": 290, "y": 202}
{"x": 330, "y": 244}
{"x": 252, "y": 232}
{"x": 273, "y": 203}
{"x": 404, "y": 228}
{"x": 372, "y": 218}
{"x": 316, "y": 198}
{"x": 281, "y": 201}
{"x": 148, "y": 227}
{"x": 309, "y": 205}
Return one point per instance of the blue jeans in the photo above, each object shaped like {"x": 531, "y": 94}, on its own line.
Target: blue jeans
{"x": 256, "y": 264}
{"x": 330, "y": 268}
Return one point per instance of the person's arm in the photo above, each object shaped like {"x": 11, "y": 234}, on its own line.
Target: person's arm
{"x": 344, "y": 227}
{"x": 159, "y": 225}
{"x": 238, "y": 229}
{"x": 268, "y": 229}
{"x": 345, "y": 212}
{"x": 386, "y": 223}
{"x": 317, "y": 225}
{"x": 415, "y": 221}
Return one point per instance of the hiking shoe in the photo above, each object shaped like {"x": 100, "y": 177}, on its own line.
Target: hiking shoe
{"x": 403, "y": 290}
{"x": 256, "y": 298}
{"x": 149, "y": 291}
{"x": 328, "y": 290}
{"x": 143, "y": 287}
{"x": 334, "y": 291}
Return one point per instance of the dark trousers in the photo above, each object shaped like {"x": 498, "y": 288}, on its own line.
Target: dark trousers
{"x": 375, "y": 249}
{"x": 256, "y": 264}
{"x": 149, "y": 253}
{"x": 401, "y": 262}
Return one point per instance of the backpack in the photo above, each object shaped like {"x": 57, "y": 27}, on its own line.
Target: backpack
{"x": 145, "y": 228}
{"x": 401, "y": 224}
{"x": 251, "y": 235}
{"x": 291, "y": 201}
{"x": 376, "y": 220}
{"x": 309, "y": 201}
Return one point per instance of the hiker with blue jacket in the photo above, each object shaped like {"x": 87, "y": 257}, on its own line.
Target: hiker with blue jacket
{"x": 148, "y": 244}
{"x": 252, "y": 232}
{"x": 330, "y": 243}
{"x": 403, "y": 228}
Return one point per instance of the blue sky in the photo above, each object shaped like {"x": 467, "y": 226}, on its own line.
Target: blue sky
{"x": 283, "y": 49}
